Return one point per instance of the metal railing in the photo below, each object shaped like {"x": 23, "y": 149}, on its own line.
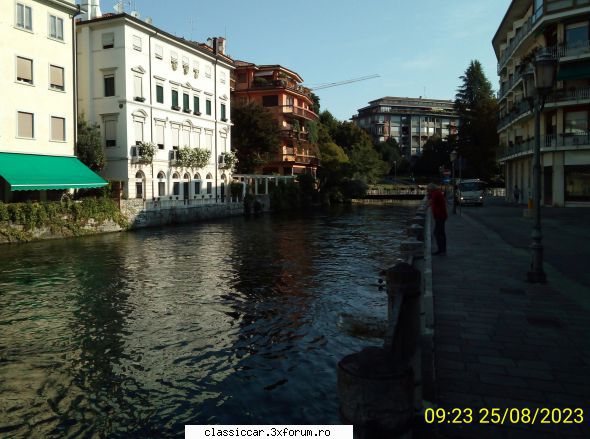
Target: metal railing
{"x": 179, "y": 202}
{"x": 521, "y": 34}
{"x": 562, "y": 50}
{"x": 550, "y": 142}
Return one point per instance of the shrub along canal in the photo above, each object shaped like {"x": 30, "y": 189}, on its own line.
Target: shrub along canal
{"x": 235, "y": 321}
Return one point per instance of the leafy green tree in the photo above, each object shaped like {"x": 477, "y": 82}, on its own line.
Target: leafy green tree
{"x": 316, "y": 103}
{"x": 255, "y": 134}
{"x": 477, "y": 107}
{"x": 89, "y": 145}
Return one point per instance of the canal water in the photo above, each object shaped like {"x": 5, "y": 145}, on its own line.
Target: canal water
{"x": 236, "y": 321}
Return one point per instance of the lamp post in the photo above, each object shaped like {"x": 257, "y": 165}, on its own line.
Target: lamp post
{"x": 537, "y": 84}
{"x": 453, "y": 158}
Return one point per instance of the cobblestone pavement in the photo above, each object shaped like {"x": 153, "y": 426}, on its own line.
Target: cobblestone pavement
{"x": 501, "y": 342}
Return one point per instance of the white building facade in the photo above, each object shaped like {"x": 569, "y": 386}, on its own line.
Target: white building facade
{"x": 143, "y": 85}
{"x": 37, "y": 75}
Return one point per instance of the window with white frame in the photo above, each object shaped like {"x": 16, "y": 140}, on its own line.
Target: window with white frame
{"x": 138, "y": 128}
{"x": 159, "y": 52}
{"x": 108, "y": 40}
{"x": 56, "y": 78}
{"x": 109, "y": 85}
{"x": 160, "y": 93}
{"x": 175, "y": 136}
{"x": 160, "y": 135}
{"x": 24, "y": 16}
{"x": 26, "y": 125}
{"x": 137, "y": 43}
{"x": 56, "y": 27}
{"x": 161, "y": 184}
{"x": 138, "y": 86}
{"x": 58, "y": 129}
{"x": 110, "y": 132}
{"x": 196, "y": 140}
{"x": 186, "y": 135}
{"x": 209, "y": 140}
{"x": 24, "y": 70}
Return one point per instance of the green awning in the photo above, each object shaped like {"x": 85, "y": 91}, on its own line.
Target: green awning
{"x": 29, "y": 172}
{"x": 576, "y": 70}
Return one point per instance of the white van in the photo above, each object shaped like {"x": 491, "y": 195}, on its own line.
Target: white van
{"x": 471, "y": 191}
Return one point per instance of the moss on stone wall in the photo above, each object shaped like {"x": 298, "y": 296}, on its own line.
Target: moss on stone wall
{"x": 21, "y": 221}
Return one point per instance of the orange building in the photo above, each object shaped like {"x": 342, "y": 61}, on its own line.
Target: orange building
{"x": 279, "y": 90}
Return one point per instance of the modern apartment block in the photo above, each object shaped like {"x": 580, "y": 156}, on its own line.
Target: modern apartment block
{"x": 410, "y": 121}
{"x": 561, "y": 29}
{"x": 141, "y": 84}
{"x": 279, "y": 90}
{"x": 37, "y": 76}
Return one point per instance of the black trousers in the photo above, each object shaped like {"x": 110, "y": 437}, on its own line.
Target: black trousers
{"x": 440, "y": 235}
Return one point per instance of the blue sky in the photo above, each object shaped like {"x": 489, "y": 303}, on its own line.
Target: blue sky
{"x": 418, "y": 47}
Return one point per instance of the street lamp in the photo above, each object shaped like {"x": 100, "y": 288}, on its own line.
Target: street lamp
{"x": 538, "y": 82}
{"x": 453, "y": 158}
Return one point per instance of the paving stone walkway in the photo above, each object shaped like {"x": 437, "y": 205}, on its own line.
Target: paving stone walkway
{"x": 501, "y": 342}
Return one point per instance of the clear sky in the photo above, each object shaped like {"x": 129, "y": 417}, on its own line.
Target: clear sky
{"x": 418, "y": 47}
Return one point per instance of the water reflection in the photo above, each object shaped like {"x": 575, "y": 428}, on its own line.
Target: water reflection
{"x": 235, "y": 321}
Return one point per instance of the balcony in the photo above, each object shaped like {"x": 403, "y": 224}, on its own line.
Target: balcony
{"x": 289, "y": 133}
{"x": 297, "y": 111}
{"x": 521, "y": 34}
{"x": 509, "y": 85}
{"x": 136, "y": 157}
{"x": 564, "y": 50}
{"x": 549, "y": 143}
{"x": 282, "y": 83}
{"x": 559, "y": 97}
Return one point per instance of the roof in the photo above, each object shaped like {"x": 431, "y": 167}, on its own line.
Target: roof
{"x": 262, "y": 67}
{"x": 195, "y": 45}
{"x": 515, "y": 11}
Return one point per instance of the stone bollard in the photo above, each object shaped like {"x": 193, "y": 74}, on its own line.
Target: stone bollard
{"x": 418, "y": 219}
{"x": 412, "y": 247}
{"x": 416, "y": 231}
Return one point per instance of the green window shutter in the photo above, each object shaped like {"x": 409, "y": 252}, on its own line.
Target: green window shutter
{"x": 174, "y": 98}
{"x": 160, "y": 94}
{"x": 208, "y": 107}
{"x": 185, "y": 102}
{"x": 196, "y": 104}
{"x": 223, "y": 111}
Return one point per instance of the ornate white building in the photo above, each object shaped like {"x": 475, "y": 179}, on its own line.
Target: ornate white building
{"x": 141, "y": 84}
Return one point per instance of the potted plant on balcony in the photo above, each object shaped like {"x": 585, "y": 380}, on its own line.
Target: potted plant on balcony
{"x": 146, "y": 151}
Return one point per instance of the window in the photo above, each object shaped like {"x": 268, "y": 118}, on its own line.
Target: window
{"x": 223, "y": 115}
{"x": 138, "y": 128}
{"x": 110, "y": 132}
{"x": 175, "y": 100}
{"x": 136, "y": 43}
{"x": 290, "y": 100}
{"x": 270, "y": 101}
{"x": 185, "y": 103}
{"x": 25, "y": 125}
{"x": 209, "y": 187}
{"x": 576, "y": 35}
{"x": 159, "y": 52}
{"x": 196, "y": 140}
{"x": 109, "y": 85}
{"x": 175, "y": 137}
{"x": 159, "y": 93}
{"x": 197, "y": 188}
{"x": 24, "y": 17}
{"x": 58, "y": 129}
{"x": 576, "y": 122}
{"x": 108, "y": 40}
{"x": 161, "y": 184}
{"x": 196, "y": 105}
{"x": 208, "y": 107}
{"x": 160, "y": 136}
{"x": 208, "y": 140}
{"x": 56, "y": 78}
{"x": 186, "y": 136}
{"x": 56, "y": 27}
{"x": 24, "y": 70}
{"x": 138, "y": 86}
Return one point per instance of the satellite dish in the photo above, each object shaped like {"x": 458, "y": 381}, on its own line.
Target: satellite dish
{"x": 118, "y": 7}
{"x": 135, "y": 14}
{"x": 149, "y": 20}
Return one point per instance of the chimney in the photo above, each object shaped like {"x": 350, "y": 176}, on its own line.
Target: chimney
{"x": 92, "y": 8}
{"x": 218, "y": 45}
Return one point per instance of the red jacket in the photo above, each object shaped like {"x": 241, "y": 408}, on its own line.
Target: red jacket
{"x": 439, "y": 204}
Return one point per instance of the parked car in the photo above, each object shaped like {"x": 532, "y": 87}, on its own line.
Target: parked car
{"x": 471, "y": 191}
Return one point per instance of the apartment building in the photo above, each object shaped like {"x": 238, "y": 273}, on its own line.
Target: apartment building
{"x": 560, "y": 29}
{"x": 279, "y": 90}
{"x": 142, "y": 85}
{"x": 410, "y": 121}
{"x": 37, "y": 76}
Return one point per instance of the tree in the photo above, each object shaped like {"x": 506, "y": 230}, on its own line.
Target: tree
{"x": 89, "y": 146}
{"x": 255, "y": 134}
{"x": 316, "y": 103}
{"x": 478, "y": 109}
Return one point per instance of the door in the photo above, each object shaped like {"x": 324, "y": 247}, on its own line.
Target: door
{"x": 185, "y": 189}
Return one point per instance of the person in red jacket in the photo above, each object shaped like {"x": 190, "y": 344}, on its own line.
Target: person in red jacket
{"x": 438, "y": 204}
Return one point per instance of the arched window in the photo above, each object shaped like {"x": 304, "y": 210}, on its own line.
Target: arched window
{"x": 139, "y": 184}
{"x": 161, "y": 184}
{"x": 197, "y": 184}
{"x": 209, "y": 177}
{"x": 187, "y": 176}
{"x": 209, "y": 184}
{"x": 175, "y": 184}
